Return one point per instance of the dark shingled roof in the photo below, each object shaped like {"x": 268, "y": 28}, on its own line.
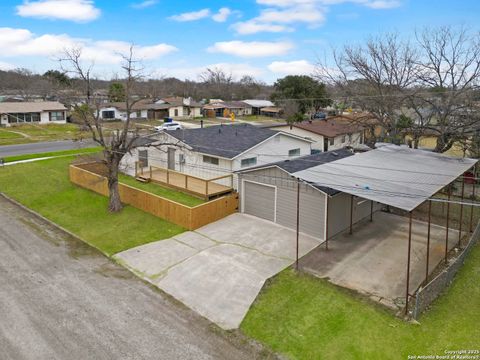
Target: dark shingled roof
{"x": 225, "y": 141}
{"x": 306, "y": 162}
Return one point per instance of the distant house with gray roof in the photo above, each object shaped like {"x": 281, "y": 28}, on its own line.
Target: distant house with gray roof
{"x": 217, "y": 150}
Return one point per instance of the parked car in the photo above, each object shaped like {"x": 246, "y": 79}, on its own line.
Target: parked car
{"x": 169, "y": 126}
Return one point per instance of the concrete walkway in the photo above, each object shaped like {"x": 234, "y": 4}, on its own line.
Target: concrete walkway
{"x": 219, "y": 269}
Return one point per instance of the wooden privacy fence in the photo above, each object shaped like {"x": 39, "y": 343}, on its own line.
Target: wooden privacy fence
{"x": 188, "y": 217}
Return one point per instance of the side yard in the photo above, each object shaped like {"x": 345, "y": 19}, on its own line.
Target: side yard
{"x": 44, "y": 186}
{"x": 307, "y": 318}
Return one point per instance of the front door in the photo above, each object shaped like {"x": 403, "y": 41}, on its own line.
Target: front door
{"x": 171, "y": 158}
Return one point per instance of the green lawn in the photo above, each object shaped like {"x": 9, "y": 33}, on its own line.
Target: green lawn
{"x": 44, "y": 187}
{"x": 30, "y": 133}
{"x": 308, "y": 318}
{"x": 53, "y": 153}
{"x": 167, "y": 193}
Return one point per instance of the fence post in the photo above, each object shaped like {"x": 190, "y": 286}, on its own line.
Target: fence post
{"x": 186, "y": 182}
{"x": 150, "y": 172}
{"x": 168, "y": 177}
{"x": 206, "y": 188}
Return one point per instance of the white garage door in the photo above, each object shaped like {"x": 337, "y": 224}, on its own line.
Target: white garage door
{"x": 259, "y": 200}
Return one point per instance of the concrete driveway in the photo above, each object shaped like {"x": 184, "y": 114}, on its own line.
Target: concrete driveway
{"x": 373, "y": 259}
{"x": 219, "y": 269}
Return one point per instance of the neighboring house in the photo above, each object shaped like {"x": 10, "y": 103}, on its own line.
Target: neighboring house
{"x": 225, "y": 108}
{"x": 217, "y": 150}
{"x": 118, "y": 111}
{"x": 331, "y": 134}
{"x": 42, "y": 112}
{"x": 257, "y": 105}
{"x": 175, "y": 107}
{"x": 272, "y": 111}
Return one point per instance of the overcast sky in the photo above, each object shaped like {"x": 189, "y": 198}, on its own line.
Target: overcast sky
{"x": 264, "y": 38}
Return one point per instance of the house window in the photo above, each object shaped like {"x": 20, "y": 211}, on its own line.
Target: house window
{"x": 350, "y": 138}
{"x": 294, "y": 152}
{"x": 176, "y": 112}
{"x": 332, "y": 141}
{"x": 249, "y": 162}
{"x": 57, "y": 116}
{"x": 210, "y": 160}
{"x": 181, "y": 158}
{"x": 23, "y": 117}
{"x": 343, "y": 139}
{"x": 108, "y": 114}
{"x": 139, "y": 114}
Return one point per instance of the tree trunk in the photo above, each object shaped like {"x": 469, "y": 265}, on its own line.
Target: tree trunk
{"x": 115, "y": 205}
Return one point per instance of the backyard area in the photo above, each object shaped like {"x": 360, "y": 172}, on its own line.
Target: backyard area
{"x": 305, "y": 317}
{"x": 44, "y": 186}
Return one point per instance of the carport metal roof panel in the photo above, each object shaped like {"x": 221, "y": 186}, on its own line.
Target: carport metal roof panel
{"x": 397, "y": 176}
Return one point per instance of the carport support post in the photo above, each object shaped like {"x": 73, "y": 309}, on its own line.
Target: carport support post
{"x": 298, "y": 221}
{"x": 448, "y": 219}
{"x": 461, "y": 213}
{"x": 428, "y": 237}
{"x": 473, "y": 198}
{"x": 408, "y": 262}
{"x": 371, "y": 211}
{"x": 351, "y": 214}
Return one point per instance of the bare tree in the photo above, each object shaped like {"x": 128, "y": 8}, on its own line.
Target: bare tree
{"x": 118, "y": 142}
{"x": 450, "y": 69}
{"x": 373, "y": 77}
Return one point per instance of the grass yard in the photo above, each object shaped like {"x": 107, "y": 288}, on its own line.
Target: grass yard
{"x": 308, "y": 318}
{"x": 53, "y": 153}
{"x": 44, "y": 187}
{"x": 30, "y": 133}
{"x": 170, "y": 194}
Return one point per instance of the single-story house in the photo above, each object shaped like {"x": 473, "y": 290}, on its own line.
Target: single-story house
{"x": 339, "y": 188}
{"x": 118, "y": 111}
{"x": 175, "y": 107}
{"x": 225, "y": 108}
{"x": 257, "y": 105}
{"x": 42, "y": 112}
{"x": 215, "y": 151}
{"x": 330, "y": 134}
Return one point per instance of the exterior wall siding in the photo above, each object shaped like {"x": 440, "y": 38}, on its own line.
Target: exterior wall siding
{"x": 317, "y": 145}
{"x": 339, "y": 212}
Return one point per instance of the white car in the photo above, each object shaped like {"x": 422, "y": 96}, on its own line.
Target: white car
{"x": 169, "y": 126}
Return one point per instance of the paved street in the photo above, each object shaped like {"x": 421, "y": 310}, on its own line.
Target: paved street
{"x": 41, "y": 147}
{"x": 60, "y": 299}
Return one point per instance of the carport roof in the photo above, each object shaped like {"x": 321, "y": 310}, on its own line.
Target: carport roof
{"x": 397, "y": 176}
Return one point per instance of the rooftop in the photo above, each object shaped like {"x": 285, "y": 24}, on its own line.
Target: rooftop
{"x": 226, "y": 141}
{"x": 393, "y": 175}
{"x": 307, "y": 162}
{"x": 329, "y": 128}
{"x": 27, "y": 107}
